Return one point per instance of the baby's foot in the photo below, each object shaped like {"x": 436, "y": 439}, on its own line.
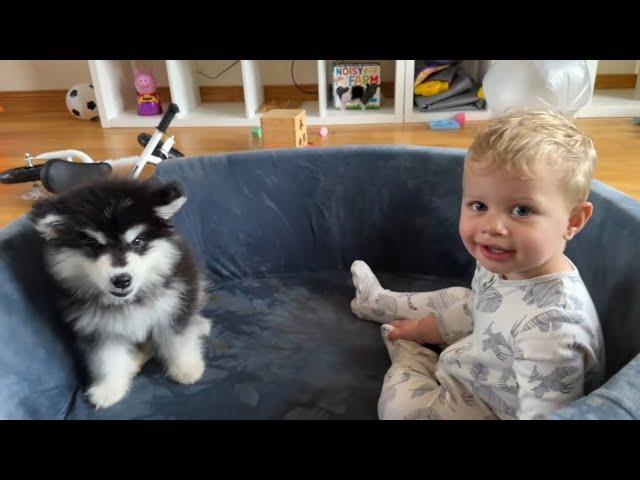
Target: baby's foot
{"x": 367, "y": 287}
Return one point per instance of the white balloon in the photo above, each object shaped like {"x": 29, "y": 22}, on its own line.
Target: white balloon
{"x": 562, "y": 86}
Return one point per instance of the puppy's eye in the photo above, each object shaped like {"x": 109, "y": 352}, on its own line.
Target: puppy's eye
{"x": 138, "y": 241}
{"x": 89, "y": 241}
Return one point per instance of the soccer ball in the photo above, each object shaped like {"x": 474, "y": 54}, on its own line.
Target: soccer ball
{"x": 81, "y": 102}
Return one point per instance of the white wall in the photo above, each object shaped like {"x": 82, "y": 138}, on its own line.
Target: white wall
{"x": 18, "y": 75}
{"x": 613, "y": 67}
{"x": 276, "y": 72}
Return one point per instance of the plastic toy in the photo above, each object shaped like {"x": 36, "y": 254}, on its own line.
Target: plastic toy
{"x": 324, "y": 131}
{"x": 256, "y": 132}
{"x": 431, "y": 87}
{"x": 425, "y": 72}
{"x": 60, "y": 172}
{"x": 456, "y": 124}
{"x": 444, "y": 125}
{"x": 462, "y": 93}
{"x": 81, "y": 102}
{"x": 148, "y": 97}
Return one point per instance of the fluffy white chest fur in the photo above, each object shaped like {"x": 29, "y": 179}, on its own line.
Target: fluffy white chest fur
{"x": 134, "y": 321}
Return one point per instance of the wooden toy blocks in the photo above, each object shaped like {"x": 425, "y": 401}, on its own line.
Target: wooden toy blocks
{"x": 283, "y": 128}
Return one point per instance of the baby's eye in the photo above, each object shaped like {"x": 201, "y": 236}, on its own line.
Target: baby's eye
{"x": 521, "y": 211}
{"x": 478, "y": 207}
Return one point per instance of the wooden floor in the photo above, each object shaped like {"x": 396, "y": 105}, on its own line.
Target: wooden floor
{"x": 617, "y": 141}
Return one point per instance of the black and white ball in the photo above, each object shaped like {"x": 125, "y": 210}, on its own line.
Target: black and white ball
{"x": 81, "y": 102}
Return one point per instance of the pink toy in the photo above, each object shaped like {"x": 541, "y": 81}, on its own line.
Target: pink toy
{"x": 147, "y": 88}
{"x": 324, "y": 131}
{"x": 460, "y": 118}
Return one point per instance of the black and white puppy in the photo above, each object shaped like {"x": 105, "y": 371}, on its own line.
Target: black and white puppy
{"x": 132, "y": 287}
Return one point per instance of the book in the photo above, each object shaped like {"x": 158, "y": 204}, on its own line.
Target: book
{"x": 356, "y": 86}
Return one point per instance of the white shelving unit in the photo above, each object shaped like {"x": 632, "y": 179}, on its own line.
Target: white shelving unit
{"x": 612, "y": 102}
{"x": 477, "y": 69}
{"x": 391, "y": 110}
{"x": 113, "y": 82}
{"x": 603, "y": 103}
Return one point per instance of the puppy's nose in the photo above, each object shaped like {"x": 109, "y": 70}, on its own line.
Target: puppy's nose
{"x": 121, "y": 281}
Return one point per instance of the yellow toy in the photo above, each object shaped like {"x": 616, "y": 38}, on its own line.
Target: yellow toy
{"x": 431, "y": 87}
{"x": 426, "y": 71}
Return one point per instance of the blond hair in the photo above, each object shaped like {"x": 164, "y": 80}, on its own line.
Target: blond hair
{"x": 524, "y": 140}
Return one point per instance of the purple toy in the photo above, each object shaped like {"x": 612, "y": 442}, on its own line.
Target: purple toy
{"x": 147, "y": 88}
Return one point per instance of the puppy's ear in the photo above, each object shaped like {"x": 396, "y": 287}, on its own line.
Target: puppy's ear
{"x": 167, "y": 199}
{"x": 47, "y": 218}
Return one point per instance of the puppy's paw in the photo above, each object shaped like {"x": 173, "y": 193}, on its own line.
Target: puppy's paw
{"x": 187, "y": 370}
{"x": 204, "y": 326}
{"x": 141, "y": 355}
{"x": 106, "y": 393}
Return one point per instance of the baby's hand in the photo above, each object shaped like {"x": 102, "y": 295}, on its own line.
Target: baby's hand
{"x": 421, "y": 331}
{"x": 405, "y": 329}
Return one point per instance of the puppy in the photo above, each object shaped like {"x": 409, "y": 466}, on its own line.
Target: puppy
{"x": 131, "y": 286}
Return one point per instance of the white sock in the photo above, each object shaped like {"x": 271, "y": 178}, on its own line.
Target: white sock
{"x": 367, "y": 303}
{"x": 373, "y": 302}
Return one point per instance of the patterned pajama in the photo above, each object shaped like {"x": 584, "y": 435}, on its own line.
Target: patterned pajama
{"x": 515, "y": 349}
{"x": 415, "y": 390}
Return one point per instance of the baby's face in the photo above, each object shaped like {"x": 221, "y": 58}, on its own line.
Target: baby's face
{"x": 513, "y": 226}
